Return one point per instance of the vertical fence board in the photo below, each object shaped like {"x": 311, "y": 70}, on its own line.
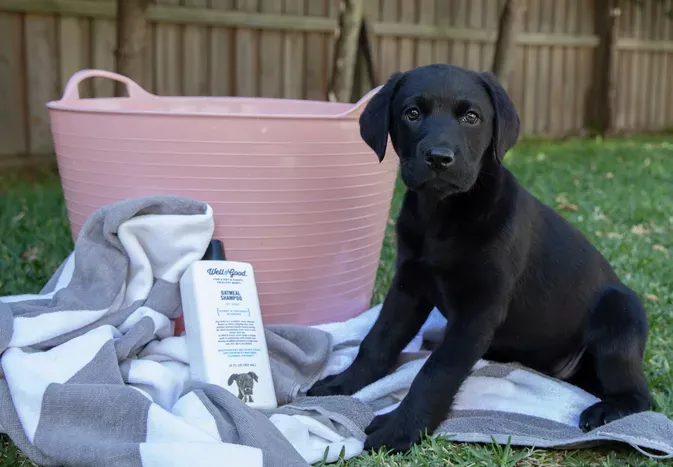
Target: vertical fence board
{"x": 13, "y": 83}
{"x": 631, "y": 79}
{"x": 389, "y": 55}
{"x": 587, "y": 17}
{"x": 441, "y": 51}
{"x": 104, "y": 44}
{"x": 545, "y": 17}
{"x": 491, "y": 9}
{"x": 195, "y": 54}
{"x": 74, "y": 42}
{"x": 473, "y": 50}
{"x": 659, "y": 23}
{"x": 149, "y": 52}
{"x": 556, "y": 91}
{"x": 316, "y": 47}
{"x": 579, "y": 96}
{"x": 668, "y": 111}
{"x": 426, "y": 15}
{"x": 619, "y": 91}
{"x": 221, "y": 67}
{"x": 516, "y": 85}
{"x": 168, "y": 71}
{"x": 330, "y": 38}
{"x": 458, "y": 48}
{"x": 247, "y": 50}
{"x": 623, "y": 83}
{"x": 668, "y": 35}
{"x": 271, "y": 55}
{"x": 656, "y": 92}
{"x": 43, "y": 79}
{"x": 645, "y": 64}
{"x": 516, "y": 82}
{"x": 586, "y": 70}
{"x": 570, "y": 69}
{"x": 666, "y": 69}
{"x": 406, "y": 46}
{"x": 293, "y": 55}
{"x": 634, "y": 104}
{"x": 569, "y": 89}
{"x": 529, "y": 102}
{"x": 656, "y": 68}
{"x": 531, "y": 108}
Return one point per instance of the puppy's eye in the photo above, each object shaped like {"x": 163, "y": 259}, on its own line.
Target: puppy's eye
{"x": 471, "y": 117}
{"x": 412, "y": 114}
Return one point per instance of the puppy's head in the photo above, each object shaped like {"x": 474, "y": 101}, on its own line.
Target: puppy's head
{"x": 244, "y": 381}
{"x": 446, "y": 124}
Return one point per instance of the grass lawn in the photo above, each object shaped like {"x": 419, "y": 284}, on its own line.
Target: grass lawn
{"x": 619, "y": 192}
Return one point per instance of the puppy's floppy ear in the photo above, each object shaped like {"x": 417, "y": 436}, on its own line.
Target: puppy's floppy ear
{"x": 506, "y": 123}
{"x": 375, "y": 119}
{"x": 232, "y": 378}
{"x": 253, "y": 376}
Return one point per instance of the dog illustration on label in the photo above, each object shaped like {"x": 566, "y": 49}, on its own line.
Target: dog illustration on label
{"x": 245, "y": 383}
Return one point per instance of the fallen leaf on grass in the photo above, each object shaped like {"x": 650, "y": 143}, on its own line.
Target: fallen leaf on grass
{"x": 609, "y": 175}
{"x": 615, "y": 235}
{"x": 639, "y": 229}
{"x": 568, "y": 207}
{"x": 661, "y": 248}
{"x": 391, "y": 221}
{"x": 599, "y": 233}
{"x": 598, "y": 214}
{"x": 564, "y": 205}
{"x": 651, "y": 297}
{"x": 33, "y": 252}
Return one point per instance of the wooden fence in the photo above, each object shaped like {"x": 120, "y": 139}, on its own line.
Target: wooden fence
{"x": 283, "y": 48}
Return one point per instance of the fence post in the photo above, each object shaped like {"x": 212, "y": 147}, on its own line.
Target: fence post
{"x": 601, "y": 110}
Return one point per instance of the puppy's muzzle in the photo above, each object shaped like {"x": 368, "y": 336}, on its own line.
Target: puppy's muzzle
{"x": 439, "y": 159}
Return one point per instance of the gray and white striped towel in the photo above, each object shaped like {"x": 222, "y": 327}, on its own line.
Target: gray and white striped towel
{"x": 91, "y": 374}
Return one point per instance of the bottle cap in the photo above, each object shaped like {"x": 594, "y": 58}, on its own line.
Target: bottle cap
{"x": 215, "y": 251}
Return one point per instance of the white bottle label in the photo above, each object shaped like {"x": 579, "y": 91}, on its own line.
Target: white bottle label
{"x": 235, "y": 355}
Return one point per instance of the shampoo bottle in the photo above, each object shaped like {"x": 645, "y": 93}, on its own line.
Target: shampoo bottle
{"x": 224, "y": 330}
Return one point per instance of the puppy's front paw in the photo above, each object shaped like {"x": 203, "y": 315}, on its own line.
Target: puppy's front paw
{"x": 600, "y": 414}
{"x": 334, "y": 385}
{"x": 394, "y": 430}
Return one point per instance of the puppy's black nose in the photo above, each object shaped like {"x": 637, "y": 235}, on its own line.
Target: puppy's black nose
{"x": 439, "y": 159}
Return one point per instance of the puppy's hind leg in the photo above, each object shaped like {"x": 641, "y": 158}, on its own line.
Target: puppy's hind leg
{"x": 618, "y": 333}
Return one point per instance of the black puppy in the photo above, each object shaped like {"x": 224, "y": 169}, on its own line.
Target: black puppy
{"x": 515, "y": 281}
{"x": 245, "y": 382}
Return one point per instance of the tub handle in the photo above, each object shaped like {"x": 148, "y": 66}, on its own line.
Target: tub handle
{"x": 361, "y": 103}
{"x": 71, "y": 91}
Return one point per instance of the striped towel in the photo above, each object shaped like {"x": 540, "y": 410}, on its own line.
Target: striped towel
{"x": 91, "y": 373}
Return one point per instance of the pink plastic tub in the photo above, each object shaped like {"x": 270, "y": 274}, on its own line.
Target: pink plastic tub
{"x": 295, "y": 190}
